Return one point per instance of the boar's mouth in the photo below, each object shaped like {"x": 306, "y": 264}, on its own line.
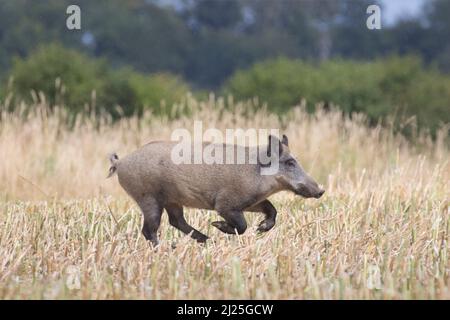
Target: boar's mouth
{"x": 305, "y": 192}
{"x": 302, "y": 189}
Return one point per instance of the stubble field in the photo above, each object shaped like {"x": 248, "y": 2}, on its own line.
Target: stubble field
{"x": 381, "y": 231}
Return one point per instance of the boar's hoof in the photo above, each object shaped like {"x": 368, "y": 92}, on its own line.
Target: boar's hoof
{"x": 226, "y": 228}
{"x": 266, "y": 225}
{"x": 153, "y": 243}
{"x": 201, "y": 238}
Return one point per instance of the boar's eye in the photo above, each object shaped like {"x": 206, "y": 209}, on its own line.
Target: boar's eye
{"x": 290, "y": 163}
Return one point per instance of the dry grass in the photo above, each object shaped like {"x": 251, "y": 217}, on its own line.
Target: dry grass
{"x": 381, "y": 230}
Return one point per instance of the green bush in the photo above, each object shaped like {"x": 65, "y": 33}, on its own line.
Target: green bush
{"x": 155, "y": 90}
{"x": 69, "y": 78}
{"x": 64, "y": 76}
{"x": 399, "y": 86}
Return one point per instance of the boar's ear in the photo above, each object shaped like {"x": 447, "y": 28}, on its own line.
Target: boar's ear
{"x": 285, "y": 140}
{"x": 273, "y": 140}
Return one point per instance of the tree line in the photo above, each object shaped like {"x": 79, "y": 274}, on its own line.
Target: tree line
{"x": 205, "y": 41}
{"x": 136, "y": 55}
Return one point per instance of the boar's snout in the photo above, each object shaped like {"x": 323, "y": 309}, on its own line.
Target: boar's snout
{"x": 310, "y": 189}
{"x": 319, "y": 193}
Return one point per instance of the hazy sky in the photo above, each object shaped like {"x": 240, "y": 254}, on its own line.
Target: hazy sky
{"x": 395, "y": 9}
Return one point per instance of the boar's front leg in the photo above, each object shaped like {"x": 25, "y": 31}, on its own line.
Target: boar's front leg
{"x": 176, "y": 219}
{"x": 269, "y": 211}
{"x": 234, "y": 222}
{"x": 152, "y": 212}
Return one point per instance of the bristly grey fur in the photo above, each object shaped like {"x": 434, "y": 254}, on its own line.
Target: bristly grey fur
{"x": 150, "y": 177}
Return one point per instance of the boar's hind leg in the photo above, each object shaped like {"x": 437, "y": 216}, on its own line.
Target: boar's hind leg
{"x": 176, "y": 219}
{"x": 234, "y": 222}
{"x": 152, "y": 212}
{"x": 269, "y": 211}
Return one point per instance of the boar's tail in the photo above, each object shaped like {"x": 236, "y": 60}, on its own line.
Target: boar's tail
{"x": 113, "y": 158}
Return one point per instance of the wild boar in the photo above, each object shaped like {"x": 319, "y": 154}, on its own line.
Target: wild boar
{"x": 156, "y": 183}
